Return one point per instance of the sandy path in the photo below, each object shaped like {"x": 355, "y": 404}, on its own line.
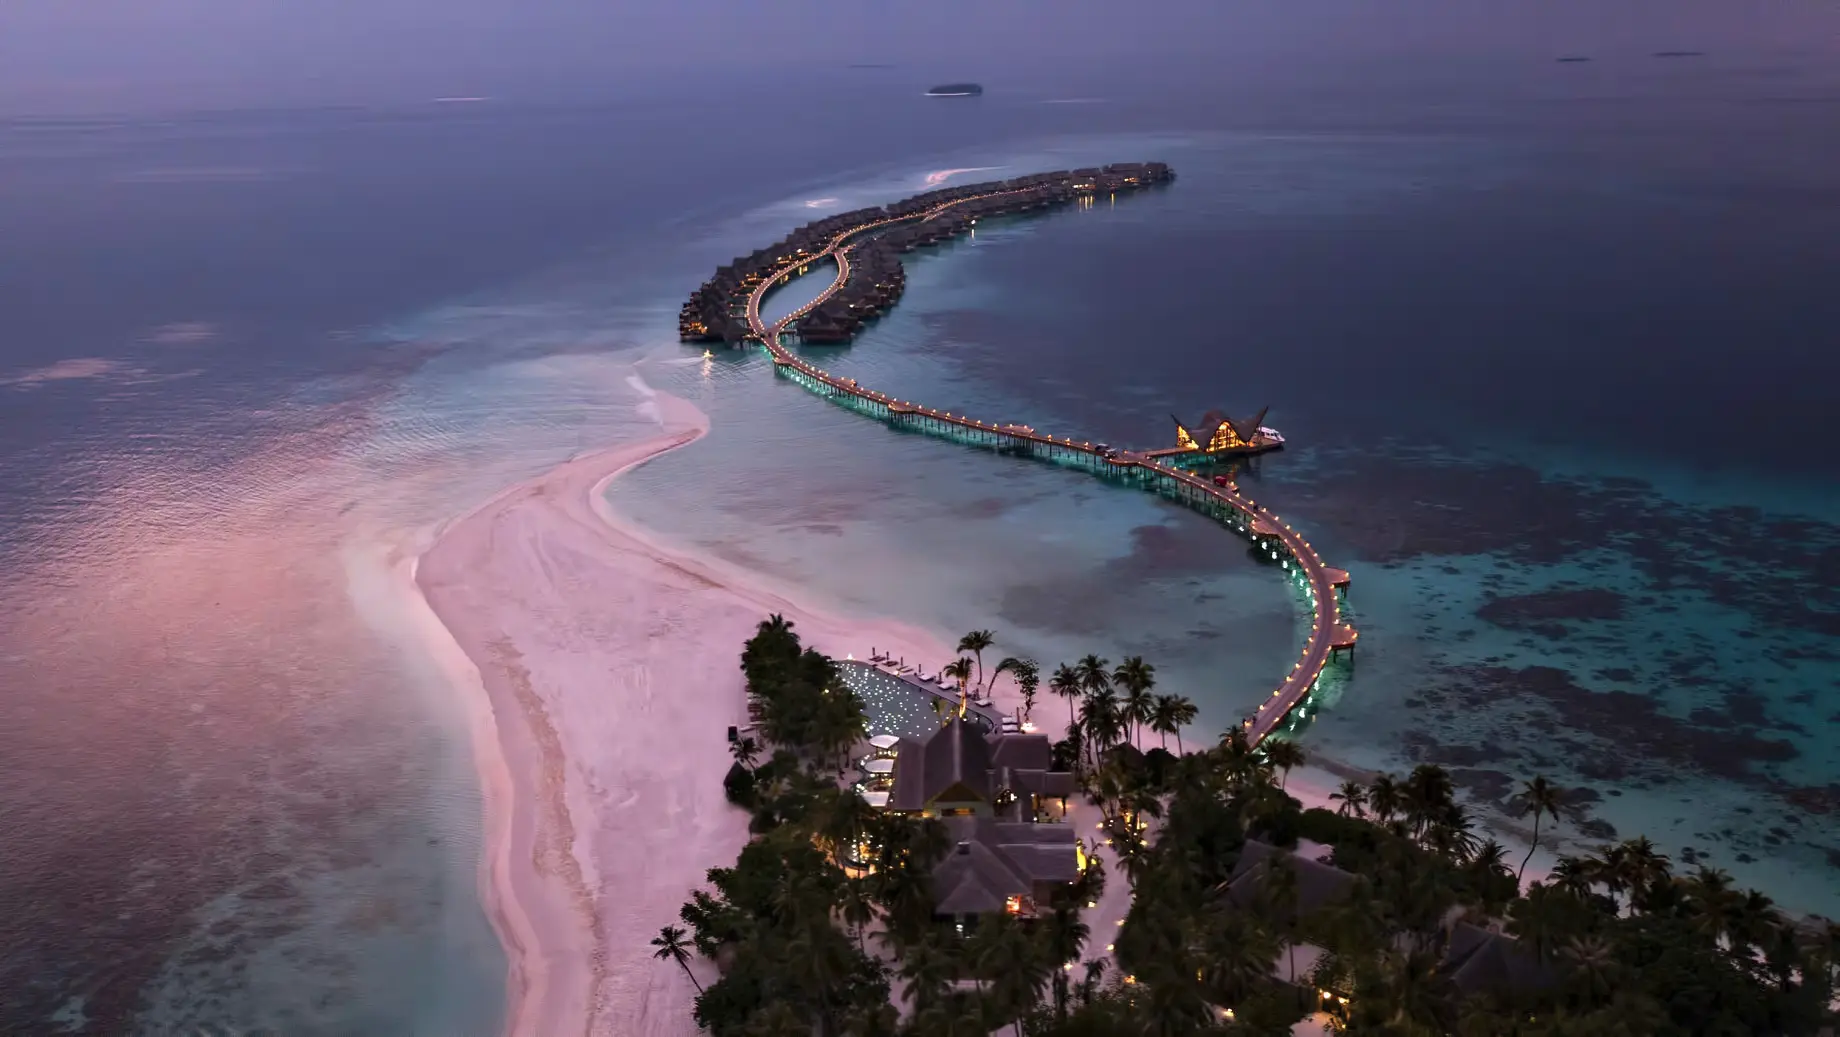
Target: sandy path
{"x": 610, "y": 667}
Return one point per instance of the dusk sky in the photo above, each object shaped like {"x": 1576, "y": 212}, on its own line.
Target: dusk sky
{"x": 123, "y": 54}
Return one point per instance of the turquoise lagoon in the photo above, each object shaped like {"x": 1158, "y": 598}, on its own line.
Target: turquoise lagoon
{"x": 1590, "y": 610}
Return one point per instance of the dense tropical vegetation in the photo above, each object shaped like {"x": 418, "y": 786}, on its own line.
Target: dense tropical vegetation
{"x": 807, "y": 944}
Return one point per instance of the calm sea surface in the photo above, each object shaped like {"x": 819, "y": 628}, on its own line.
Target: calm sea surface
{"x": 1549, "y": 344}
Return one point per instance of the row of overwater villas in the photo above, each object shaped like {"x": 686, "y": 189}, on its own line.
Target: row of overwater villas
{"x": 716, "y": 311}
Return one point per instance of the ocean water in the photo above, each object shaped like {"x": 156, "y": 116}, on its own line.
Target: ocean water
{"x": 1549, "y": 386}
{"x": 1548, "y": 352}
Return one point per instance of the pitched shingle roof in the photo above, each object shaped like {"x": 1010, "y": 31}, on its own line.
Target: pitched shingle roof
{"x": 1480, "y": 960}
{"x": 995, "y": 860}
{"x": 959, "y": 753}
{"x": 972, "y": 880}
{"x": 1318, "y": 884}
{"x": 1027, "y": 752}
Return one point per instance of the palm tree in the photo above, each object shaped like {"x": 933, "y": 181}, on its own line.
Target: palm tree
{"x": 1490, "y": 858}
{"x": 1713, "y": 902}
{"x": 1644, "y": 868}
{"x": 1819, "y": 941}
{"x": 1102, "y": 721}
{"x": 672, "y": 947}
{"x": 1136, "y": 677}
{"x": 1609, "y": 868}
{"x": 975, "y": 642}
{"x": 1005, "y": 958}
{"x": 1429, "y": 795}
{"x": 839, "y": 819}
{"x": 1066, "y": 684}
{"x": 1089, "y": 982}
{"x": 1354, "y": 927}
{"x": 1064, "y": 935}
{"x": 834, "y": 731}
{"x": 1235, "y": 952}
{"x": 1572, "y": 874}
{"x": 1139, "y": 710}
{"x": 777, "y": 1019}
{"x": 1540, "y": 798}
{"x": 1538, "y": 918}
{"x": 870, "y": 1020}
{"x": 1185, "y": 713}
{"x": 1453, "y": 835}
{"x": 1593, "y": 967}
{"x": 817, "y": 960}
{"x": 1093, "y": 676}
{"x": 856, "y": 905}
{"x": 1238, "y": 761}
{"x": 1354, "y": 799}
{"x": 927, "y": 970}
{"x": 1757, "y": 922}
{"x": 1283, "y": 754}
{"x": 1163, "y": 717}
{"x": 745, "y": 751}
{"x": 1385, "y": 797}
{"x": 959, "y": 670}
{"x": 1278, "y": 892}
{"x": 1416, "y": 993}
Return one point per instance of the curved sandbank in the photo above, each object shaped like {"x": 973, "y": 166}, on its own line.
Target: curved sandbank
{"x": 603, "y": 670}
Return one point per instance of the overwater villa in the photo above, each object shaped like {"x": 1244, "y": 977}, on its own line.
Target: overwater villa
{"x": 714, "y": 311}
{"x": 1217, "y": 435}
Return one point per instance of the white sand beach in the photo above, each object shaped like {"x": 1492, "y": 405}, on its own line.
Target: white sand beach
{"x": 606, "y": 671}
{"x": 603, "y": 668}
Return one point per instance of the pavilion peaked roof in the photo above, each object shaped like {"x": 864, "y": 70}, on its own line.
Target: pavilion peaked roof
{"x": 1203, "y": 431}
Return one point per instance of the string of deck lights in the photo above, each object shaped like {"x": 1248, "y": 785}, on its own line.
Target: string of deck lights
{"x": 1309, "y": 565}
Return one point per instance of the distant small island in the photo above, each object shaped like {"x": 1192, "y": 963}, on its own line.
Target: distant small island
{"x": 1569, "y": 58}
{"x": 956, "y": 90}
{"x": 1680, "y": 54}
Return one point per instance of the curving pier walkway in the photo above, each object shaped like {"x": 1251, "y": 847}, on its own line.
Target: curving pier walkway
{"x": 1219, "y": 499}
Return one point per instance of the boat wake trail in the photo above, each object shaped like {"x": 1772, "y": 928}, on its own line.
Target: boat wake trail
{"x": 648, "y": 406}
{"x": 940, "y": 176}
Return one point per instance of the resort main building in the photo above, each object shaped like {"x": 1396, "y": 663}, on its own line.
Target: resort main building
{"x": 1004, "y": 806}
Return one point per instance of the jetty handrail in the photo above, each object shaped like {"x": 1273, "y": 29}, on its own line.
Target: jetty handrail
{"x": 1325, "y": 620}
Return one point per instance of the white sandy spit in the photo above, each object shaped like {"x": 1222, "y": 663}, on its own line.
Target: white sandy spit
{"x": 607, "y": 670}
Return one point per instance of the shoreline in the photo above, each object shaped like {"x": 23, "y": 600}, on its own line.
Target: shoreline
{"x": 575, "y": 965}
{"x": 600, "y": 670}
